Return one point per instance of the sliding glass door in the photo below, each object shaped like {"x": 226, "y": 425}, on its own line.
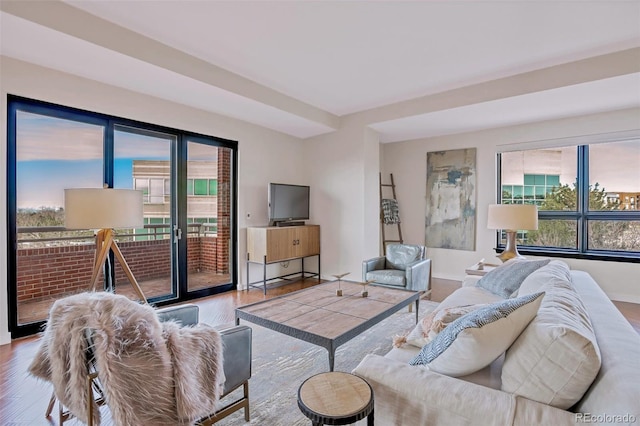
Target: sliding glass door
{"x": 186, "y": 247}
{"x": 144, "y": 160}
{"x": 208, "y": 207}
{"x": 52, "y": 152}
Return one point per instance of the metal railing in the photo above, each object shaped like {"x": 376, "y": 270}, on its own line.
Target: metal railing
{"x": 152, "y": 232}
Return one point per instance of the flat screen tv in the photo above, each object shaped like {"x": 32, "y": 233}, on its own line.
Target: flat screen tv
{"x": 288, "y": 203}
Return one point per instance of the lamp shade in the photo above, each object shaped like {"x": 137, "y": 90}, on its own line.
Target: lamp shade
{"x": 513, "y": 217}
{"x": 100, "y": 208}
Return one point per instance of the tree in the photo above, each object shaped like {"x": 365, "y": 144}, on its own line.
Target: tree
{"x": 603, "y": 234}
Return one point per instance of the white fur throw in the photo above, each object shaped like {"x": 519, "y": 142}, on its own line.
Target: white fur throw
{"x": 152, "y": 373}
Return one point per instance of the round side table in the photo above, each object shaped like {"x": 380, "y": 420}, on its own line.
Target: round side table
{"x": 336, "y": 398}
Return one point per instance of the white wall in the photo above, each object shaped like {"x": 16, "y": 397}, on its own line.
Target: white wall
{"x": 264, "y": 155}
{"x": 407, "y": 162}
{"x": 343, "y": 169}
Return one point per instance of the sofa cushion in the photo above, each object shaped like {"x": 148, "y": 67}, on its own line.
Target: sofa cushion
{"x": 556, "y": 358}
{"x": 475, "y": 340}
{"x": 554, "y": 270}
{"x": 388, "y": 276}
{"x": 400, "y": 255}
{"x": 505, "y": 280}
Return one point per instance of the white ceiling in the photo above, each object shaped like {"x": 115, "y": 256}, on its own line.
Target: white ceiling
{"x": 315, "y": 61}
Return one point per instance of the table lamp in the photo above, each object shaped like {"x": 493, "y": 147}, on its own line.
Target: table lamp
{"x": 512, "y": 218}
{"x": 104, "y": 209}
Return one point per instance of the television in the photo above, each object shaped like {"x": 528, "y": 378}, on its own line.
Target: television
{"x": 288, "y": 204}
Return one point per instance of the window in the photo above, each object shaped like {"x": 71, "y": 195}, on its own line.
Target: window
{"x": 52, "y": 147}
{"x": 587, "y": 197}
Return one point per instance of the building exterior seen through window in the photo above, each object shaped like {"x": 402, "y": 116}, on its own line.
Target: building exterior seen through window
{"x": 588, "y": 196}
{"x": 153, "y": 178}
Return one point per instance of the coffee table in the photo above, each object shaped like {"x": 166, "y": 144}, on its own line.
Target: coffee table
{"x": 316, "y": 315}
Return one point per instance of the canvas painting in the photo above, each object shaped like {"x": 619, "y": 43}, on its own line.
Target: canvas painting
{"x": 450, "y": 220}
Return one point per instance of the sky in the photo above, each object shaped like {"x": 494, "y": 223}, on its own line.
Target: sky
{"x": 54, "y": 154}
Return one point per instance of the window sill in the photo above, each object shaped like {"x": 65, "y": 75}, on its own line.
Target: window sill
{"x": 608, "y": 256}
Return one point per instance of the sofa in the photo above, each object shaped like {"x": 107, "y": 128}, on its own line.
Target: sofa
{"x": 415, "y": 395}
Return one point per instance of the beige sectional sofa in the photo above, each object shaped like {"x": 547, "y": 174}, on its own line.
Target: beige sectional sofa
{"x": 527, "y": 385}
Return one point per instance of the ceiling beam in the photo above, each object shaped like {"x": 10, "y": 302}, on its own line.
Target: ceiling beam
{"x": 610, "y": 65}
{"x": 62, "y": 17}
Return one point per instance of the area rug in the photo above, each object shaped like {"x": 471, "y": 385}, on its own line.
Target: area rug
{"x": 281, "y": 363}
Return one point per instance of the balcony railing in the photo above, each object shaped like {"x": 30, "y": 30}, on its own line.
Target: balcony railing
{"x": 151, "y": 232}
{"x": 54, "y": 261}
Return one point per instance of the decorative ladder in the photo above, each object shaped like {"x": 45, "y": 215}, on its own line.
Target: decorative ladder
{"x": 382, "y": 224}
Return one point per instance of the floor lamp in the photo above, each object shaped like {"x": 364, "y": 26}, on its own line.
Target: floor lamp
{"x": 105, "y": 209}
{"x": 512, "y": 218}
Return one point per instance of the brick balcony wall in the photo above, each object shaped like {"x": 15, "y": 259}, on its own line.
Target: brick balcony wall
{"x": 54, "y": 271}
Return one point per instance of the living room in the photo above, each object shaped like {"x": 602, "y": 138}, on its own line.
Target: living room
{"x": 589, "y": 84}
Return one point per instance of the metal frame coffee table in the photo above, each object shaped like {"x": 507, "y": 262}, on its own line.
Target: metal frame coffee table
{"x": 316, "y": 315}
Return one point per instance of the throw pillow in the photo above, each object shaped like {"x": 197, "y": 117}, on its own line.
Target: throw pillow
{"x": 555, "y": 360}
{"x": 506, "y": 279}
{"x": 476, "y": 339}
{"x": 431, "y": 325}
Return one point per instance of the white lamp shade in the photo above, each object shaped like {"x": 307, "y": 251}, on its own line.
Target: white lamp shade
{"x": 513, "y": 217}
{"x": 100, "y": 208}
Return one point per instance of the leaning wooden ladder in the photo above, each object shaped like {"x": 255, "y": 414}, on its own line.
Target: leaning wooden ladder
{"x": 382, "y": 215}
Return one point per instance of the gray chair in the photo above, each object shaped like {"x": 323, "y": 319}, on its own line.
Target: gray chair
{"x": 404, "y": 266}
{"x": 236, "y": 357}
{"x": 236, "y": 354}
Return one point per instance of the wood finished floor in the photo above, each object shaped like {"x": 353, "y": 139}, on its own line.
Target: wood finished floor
{"x": 23, "y": 400}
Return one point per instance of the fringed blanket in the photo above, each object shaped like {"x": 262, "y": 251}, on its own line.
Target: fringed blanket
{"x": 152, "y": 373}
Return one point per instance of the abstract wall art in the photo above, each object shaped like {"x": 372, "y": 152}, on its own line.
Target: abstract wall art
{"x": 450, "y": 220}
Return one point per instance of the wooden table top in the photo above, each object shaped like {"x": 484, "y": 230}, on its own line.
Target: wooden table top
{"x": 336, "y": 394}
{"x": 318, "y": 311}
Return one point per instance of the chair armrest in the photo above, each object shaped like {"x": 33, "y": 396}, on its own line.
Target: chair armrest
{"x": 372, "y": 264}
{"x": 418, "y": 275}
{"x": 406, "y": 394}
{"x": 236, "y": 353}
{"x": 186, "y": 315}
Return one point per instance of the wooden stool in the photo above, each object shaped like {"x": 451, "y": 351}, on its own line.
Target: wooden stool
{"x": 336, "y": 398}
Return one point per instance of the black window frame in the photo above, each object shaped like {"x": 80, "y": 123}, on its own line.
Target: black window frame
{"x": 582, "y": 216}
{"x": 110, "y": 123}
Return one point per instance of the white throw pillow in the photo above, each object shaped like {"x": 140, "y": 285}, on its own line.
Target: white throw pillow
{"x": 475, "y": 340}
{"x": 556, "y": 358}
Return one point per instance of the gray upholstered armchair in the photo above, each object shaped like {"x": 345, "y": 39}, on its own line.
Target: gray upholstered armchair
{"x": 236, "y": 342}
{"x": 404, "y": 266}
{"x": 236, "y": 365}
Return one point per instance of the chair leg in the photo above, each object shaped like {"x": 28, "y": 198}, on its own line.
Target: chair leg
{"x": 246, "y": 396}
{"x": 89, "y": 401}
{"x": 229, "y": 409}
{"x": 52, "y": 402}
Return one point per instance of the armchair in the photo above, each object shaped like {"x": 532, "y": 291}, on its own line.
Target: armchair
{"x": 236, "y": 359}
{"x": 100, "y": 348}
{"x": 403, "y": 266}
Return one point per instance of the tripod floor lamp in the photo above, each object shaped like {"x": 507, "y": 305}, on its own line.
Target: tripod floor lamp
{"x": 105, "y": 209}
